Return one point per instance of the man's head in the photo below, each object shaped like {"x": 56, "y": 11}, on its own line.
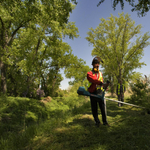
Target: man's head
{"x": 96, "y": 61}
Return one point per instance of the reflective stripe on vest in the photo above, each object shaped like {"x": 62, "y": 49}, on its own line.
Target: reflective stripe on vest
{"x": 119, "y": 88}
{"x": 100, "y": 79}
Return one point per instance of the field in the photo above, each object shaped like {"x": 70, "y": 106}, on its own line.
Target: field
{"x": 67, "y": 124}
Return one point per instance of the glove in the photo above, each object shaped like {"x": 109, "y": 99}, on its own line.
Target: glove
{"x": 105, "y": 85}
{"x": 108, "y": 82}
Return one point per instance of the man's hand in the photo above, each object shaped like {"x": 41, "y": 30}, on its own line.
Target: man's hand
{"x": 105, "y": 85}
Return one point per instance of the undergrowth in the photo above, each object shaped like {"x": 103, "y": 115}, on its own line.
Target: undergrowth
{"x": 67, "y": 123}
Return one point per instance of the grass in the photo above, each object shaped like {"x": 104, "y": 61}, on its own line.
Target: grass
{"x": 58, "y": 126}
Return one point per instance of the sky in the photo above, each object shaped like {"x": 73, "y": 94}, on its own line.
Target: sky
{"x": 87, "y": 15}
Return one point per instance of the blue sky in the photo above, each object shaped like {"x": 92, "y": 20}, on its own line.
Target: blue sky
{"x": 87, "y": 15}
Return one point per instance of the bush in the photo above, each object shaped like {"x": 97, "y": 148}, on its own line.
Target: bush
{"x": 140, "y": 94}
{"x": 40, "y": 93}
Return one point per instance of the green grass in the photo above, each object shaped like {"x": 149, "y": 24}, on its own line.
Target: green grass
{"x": 67, "y": 124}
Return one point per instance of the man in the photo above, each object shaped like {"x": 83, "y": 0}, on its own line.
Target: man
{"x": 120, "y": 92}
{"x": 96, "y": 86}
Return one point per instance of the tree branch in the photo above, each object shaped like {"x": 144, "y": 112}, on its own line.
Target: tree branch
{"x": 43, "y": 57}
{"x": 2, "y": 22}
{"x": 9, "y": 24}
{"x": 15, "y": 31}
{"x": 13, "y": 34}
{"x": 132, "y": 54}
{"x": 116, "y": 44}
{"x": 2, "y": 31}
{"x": 123, "y": 41}
{"x": 37, "y": 47}
{"x": 100, "y": 2}
{"x": 124, "y": 34}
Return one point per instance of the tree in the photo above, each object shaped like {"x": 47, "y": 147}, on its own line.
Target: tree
{"x": 59, "y": 59}
{"x": 142, "y": 7}
{"x": 77, "y": 70}
{"x": 42, "y": 59}
{"x": 16, "y": 17}
{"x": 116, "y": 41}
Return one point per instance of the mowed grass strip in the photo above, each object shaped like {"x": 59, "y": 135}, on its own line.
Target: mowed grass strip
{"x": 129, "y": 130}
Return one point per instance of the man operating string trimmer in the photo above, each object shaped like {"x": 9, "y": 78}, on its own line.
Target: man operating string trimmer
{"x": 96, "y": 87}
{"x": 96, "y": 91}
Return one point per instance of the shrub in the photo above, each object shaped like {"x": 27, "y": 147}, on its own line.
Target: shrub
{"x": 40, "y": 93}
{"x": 140, "y": 94}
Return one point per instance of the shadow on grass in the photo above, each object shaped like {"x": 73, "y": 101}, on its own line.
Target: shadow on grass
{"x": 130, "y": 131}
{"x": 19, "y": 113}
{"x": 19, "y": 120}
{"x": 75, "y": 130}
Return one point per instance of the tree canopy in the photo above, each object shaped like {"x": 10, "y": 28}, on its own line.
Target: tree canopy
{"x": 142, "y": 6}
{"x": 32, "y": 50}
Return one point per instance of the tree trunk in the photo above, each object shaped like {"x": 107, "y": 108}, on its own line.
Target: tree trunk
{"x": 54, "y": 81}
{"x": 120, "y": 82}
{"x": 3, "y": 77}
{"x": 112, "y": 86}
{"x": 44, "y": 85}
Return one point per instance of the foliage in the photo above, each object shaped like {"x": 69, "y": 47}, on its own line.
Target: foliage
{"x": 35, "y": 49}
{"x": 142, "y": 7}
{"x": 140, "y": 93}
{"x": 135, "y": 76}
{"x": 18, "y": 115}
{"x": 31, "y": 43}
{"x": 77, "y": 71}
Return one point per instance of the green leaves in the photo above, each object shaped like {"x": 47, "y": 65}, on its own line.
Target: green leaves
{"x": 140, "y": 90}
{"x": 32, "y": 33}
{"x": 142, "y": 7}
{"x": 77, "y": 70}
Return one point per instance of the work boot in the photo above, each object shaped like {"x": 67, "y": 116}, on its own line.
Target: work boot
{"x": 106, "y": 124}
{"x": 97, "y": 124}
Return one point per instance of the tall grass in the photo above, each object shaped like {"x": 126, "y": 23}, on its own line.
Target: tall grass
{"x": 21, "y": 118}
{"x": 67, "y": 123}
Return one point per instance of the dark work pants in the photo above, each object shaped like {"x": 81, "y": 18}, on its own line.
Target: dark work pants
{"x": 120, "y": 98}
{"x": 94, "y": 106}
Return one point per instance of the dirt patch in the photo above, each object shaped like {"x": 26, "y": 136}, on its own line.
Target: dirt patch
{"x": 46, "y": 99}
